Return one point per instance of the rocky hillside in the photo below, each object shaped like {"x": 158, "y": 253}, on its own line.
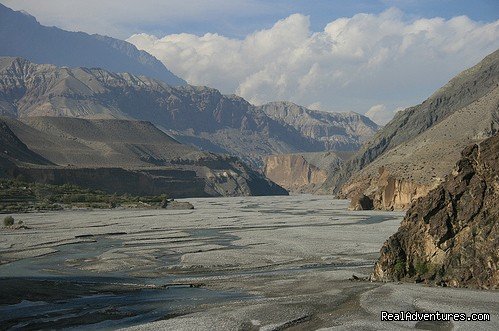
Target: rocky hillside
{"x": 121, "y": 156}
{"x": 338, "y": 131}
{"x": 303, "y": 172}
{"x": 13, "y": 149}
{"x": 199, "y": 116}
{"x": 412, "y": 153}
{"x": 21, "y": 35}
{"x": 451, "y": 236}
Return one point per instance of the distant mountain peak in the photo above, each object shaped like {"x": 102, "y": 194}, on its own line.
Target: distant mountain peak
{"x": 22, "y": 35}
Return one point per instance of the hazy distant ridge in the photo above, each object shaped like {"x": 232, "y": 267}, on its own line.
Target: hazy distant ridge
{"x": 21, "y": 35}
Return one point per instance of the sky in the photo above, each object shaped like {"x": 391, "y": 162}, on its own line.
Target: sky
{"x": 374, "y": 57}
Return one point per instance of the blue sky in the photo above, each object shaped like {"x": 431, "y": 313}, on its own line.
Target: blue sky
{"x": 373, "y": 57}
{"x": 322, "y": 12}
{"x": 232, "y": 18}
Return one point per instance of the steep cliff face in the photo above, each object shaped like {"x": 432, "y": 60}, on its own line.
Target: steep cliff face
{"x": 294, "y": 172}
{"x": 385, "y": 191}
{"x": 421, "y": 143}
{"x": 451, "y": 236}
{"x": 302, "y": 172}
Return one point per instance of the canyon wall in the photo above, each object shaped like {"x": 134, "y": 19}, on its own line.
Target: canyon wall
{"x": 301, "y": 173}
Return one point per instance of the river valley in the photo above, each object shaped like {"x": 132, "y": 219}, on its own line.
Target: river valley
{"x": 247, "y": 263}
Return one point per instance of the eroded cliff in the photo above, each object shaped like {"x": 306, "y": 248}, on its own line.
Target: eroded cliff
{"x": 121, "y": 156}
{"x": 386, "y": 191}
{"x": 301, "y": 173}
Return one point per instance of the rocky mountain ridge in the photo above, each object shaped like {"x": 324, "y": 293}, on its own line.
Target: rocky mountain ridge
{"x": 338, "y": 131}
{"x": 199, "y": 116}
{"x": 413, "y": 152}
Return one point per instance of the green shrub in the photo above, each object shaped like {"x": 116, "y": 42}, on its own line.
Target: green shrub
{"x": 400, "y": 266}
{"x": 421, "y": 268}
{"x": 8, "y": 221}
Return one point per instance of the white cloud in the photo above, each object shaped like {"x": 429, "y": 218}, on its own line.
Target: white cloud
{"x": 352, "y": 64}
{"x": 380, "y": 114}
{"x": 316, "y": 106}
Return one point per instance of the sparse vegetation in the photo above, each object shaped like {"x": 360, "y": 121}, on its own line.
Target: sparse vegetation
{"x": 18, "y": 195}
{"x": 421, "y": 268}
{"x": 400, "y": 266}
{"x": 8, "y": 221}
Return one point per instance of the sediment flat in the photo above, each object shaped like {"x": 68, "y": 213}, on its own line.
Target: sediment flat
{"x": 267, "y": 263}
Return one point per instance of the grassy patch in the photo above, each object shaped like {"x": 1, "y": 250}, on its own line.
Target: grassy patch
{"x": 400, "y": 266}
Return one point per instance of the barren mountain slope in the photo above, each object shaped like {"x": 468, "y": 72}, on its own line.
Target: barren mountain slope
{"x": 12, "y": 148}
{"x": 128, "y": 156}
{"x": 411, "y": 169}
{"x": 101, "y": 143}
{"x": 464, "y": 110}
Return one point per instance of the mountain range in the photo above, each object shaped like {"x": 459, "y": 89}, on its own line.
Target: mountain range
{"x": 200, "y": 116}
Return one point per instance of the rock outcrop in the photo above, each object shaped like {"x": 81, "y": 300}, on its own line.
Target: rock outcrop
{"x": 413, "y": 153}
{"x": 361, "y": 202}
{"x": 301, "y": 173}
{"x": 386, "y": 191}
{"x": 451, "y": 236}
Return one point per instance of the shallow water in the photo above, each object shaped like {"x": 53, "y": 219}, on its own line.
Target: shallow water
{"x": 142, "y": 272}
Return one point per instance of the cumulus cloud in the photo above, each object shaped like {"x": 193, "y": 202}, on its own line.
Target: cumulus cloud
{"x": 352, "y": 64}
{"x": 381, "y": 114}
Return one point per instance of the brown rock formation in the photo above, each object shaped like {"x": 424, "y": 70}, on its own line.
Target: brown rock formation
{"x": 361, "y": 202}
{"x": 303, "y": 173}
{"x": 293, "y": 172}
{"x": 386, "y": 190}
{"x": 451, "y": 236}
